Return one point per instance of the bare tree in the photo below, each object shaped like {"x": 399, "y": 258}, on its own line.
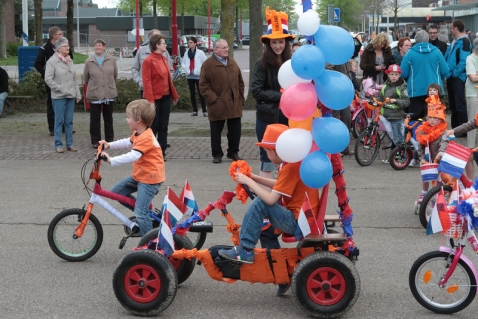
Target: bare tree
{"x": 227, "y": 22}
{"x": 38, "y": 21}
{"x": 69, "y": 24}
{"x": 394, "y": 6}
{"x": 255, "y": 46}
{"x": 3, "y": 34}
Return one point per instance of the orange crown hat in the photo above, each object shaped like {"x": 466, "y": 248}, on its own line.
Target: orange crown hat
{"x": 277, "y": 26}
{"x": 272, "y": 133}
{"x": 436, "y": 108}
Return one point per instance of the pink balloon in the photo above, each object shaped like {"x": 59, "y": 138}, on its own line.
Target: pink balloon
{"x": 299, "y": 101}
{"x": 314, "y": 148}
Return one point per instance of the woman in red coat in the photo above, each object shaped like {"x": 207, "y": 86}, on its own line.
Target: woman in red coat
{"x": 158, "y": 88}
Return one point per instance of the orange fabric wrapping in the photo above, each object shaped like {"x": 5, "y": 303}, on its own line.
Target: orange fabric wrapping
{"x": 280, "y": 266}
{"x": 240, "y": 166}
{"x": 259, "y": 271}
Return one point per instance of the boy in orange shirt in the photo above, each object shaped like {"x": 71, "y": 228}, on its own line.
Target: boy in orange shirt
{"x": 281, "y": 205}
{"x": 146, "y": 156}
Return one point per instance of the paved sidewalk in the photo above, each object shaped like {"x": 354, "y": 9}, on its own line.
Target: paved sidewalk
{"x": 26, "y": 136}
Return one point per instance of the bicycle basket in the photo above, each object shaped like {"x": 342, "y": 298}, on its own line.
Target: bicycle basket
{"x": 457, "y": 224}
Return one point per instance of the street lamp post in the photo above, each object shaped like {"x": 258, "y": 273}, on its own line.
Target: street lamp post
{"x": 208, "y": 26}
{"x": 174, "y": 28}
{"x": 78, "y": 3}
{"x": 373, "y": 7}
{"x": 137, "y": 25}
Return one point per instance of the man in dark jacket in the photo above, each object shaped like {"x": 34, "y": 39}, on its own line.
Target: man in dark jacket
{"x": 433, "y": 33}
{"x": 455, "y": 56}
{"x": 44, "y": 54}
{"x": 3, "y": 88}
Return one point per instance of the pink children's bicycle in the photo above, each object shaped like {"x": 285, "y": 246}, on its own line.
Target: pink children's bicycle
{"x": 444, "y": 281}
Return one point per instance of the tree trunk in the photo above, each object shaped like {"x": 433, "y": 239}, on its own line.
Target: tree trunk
{"x": 3, "y": 34}
{"x": 69, "y": 24}
{"x": 255, "y": 45}
{"x": 227, "y": 23}
{"x": 38, "y": 22}
{"x": 155, "y": 15}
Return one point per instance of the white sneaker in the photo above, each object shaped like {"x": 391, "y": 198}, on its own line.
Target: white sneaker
{"x": 413, "y": 163}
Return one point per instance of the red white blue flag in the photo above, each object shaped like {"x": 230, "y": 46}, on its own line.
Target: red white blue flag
{"x": 187, "y": 198}
{"x": 429, "y": 172}
{"x": 173, "y": 205}
{"x": 306, "y": 223}
{"x": 165, "y": 235}
{"x": 454, "y": 160}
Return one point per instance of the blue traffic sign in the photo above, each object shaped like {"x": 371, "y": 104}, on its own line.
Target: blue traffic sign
{"x": 336, "y": 14}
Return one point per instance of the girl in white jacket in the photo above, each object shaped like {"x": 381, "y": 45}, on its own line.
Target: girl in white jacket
{"x": 192, "y": 61}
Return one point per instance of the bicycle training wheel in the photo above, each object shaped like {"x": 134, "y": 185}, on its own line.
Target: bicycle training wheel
{"x": 185, "y": 267}
{"x": 145, "y": 282}
{"x": 400, "y": 157}
{"x": 360, "y": 123}
{"x": 424, "y": 278}
{"x": 367, "y": 146}
{"x": 62, "y": 239}
{"x": 428, "y": 202}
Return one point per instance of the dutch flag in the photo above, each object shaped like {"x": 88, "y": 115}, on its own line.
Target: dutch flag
{"x": 173, "y": 205}
{"x": 434, "y": 223}
{"x": 306, "y": 223}
{"x": 454, "y": 160}
{"x": 165, "y": 235}
{"x": 187, "y": 198}
{"x": 429, "y": 172}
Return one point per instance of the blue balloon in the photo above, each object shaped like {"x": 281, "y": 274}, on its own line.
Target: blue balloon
{"x": 308, "y": 62}
{"x": 336, "y": 44}
{"x": 330, "y": 134}
{"x": 334, "y": 89}
{"x": 316, "y": 169}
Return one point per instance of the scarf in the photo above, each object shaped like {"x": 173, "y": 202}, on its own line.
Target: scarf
{"x": 191, "y": 54}
{"x": 65, "y": 59}
{"x": 426, "y": 133}
{"x": 100, "y": 60}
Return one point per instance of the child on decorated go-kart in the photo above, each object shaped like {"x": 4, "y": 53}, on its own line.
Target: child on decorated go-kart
{"x": 281, "y": 205}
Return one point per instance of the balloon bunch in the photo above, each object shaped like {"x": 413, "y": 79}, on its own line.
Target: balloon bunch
{"x": 306, "y": 84}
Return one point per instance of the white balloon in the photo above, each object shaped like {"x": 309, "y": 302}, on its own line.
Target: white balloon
{"x": 293, "y": 145}
{"x": 308, "y": 22}
{"x": 287, "y": 76}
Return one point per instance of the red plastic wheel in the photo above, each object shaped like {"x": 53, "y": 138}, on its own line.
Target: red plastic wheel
{"x": 326, "y": 286}
{"x": 142, "y": 283}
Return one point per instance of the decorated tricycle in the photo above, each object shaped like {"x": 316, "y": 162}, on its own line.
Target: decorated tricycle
{"x": 320, "y": 268}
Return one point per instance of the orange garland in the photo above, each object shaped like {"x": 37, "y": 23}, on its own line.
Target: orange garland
{"x": 244, "y": 168}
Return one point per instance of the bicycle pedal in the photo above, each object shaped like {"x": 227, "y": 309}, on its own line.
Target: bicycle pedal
{"x": 122, "y": 242}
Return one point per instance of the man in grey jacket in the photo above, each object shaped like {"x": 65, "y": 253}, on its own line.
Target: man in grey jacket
{"x": 141, "y": 55}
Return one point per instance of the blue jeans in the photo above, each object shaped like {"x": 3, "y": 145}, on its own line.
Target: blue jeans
{"x": 3, "y": 97}
{"x": 397, "y": 129}
{"x": 144, "y": 197}
{"x": 279, "y": 217}
{"x": 63, "y": 109}
{"x": 265, "y": 165}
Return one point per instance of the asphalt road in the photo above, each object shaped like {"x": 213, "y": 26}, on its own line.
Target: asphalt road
{"x": 37, "y": 184}
{"x": 38, "y": 284}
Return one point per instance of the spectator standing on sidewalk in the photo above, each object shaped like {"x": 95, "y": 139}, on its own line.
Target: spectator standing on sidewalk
{"x": 60, "y": 76}
{"x": 141, "y": 55}
{"x": 433, "y": 34}
{"x": 471, "y": 91}
{"x": 99, "y": 75}
{"x": 192, "y": 62}
{"x": 159, "y": 88}
{"x": 265, "y": 85}
{"x": 3, "y": 88}
{"x": 455, "y": 56}
{"x": 44, "y": 54}
{"x": 222, "y": 86}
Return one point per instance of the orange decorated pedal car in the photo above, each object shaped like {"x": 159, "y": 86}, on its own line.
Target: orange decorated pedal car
{"x": 320, "y": 268}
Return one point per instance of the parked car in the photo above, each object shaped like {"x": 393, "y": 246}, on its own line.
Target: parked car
{"x": 182, "y": 42}
{"x": 245, "y": 40}
{"x": 201, "y": 45}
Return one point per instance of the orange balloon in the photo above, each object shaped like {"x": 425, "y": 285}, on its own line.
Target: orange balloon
{"x": 307, "y": 123}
